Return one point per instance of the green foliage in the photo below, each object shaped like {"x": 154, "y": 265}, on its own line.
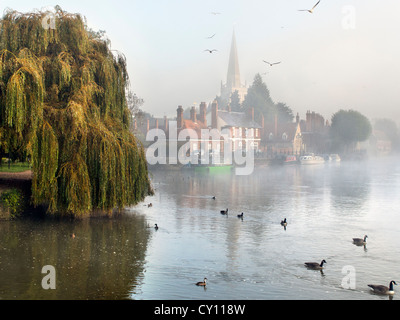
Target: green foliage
{"x": 63, "y": 103}
{"x": 285, "y": 114}
{"x": 13, "y": 201}
{"x": 389, "y": 127}
{"x": 14, "y": 167}
{"x": 349, "y": 127}
{"x": 235, "y": 104}
{"x": 258, "y": 97}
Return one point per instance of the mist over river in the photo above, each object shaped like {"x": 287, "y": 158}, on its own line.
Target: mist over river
{"x": 255, "y": 258}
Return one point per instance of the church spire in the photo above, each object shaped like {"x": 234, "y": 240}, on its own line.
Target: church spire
{"x": 233, "y": 80}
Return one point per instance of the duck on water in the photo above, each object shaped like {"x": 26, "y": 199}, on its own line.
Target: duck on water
{"x": 225, "y": 212}
{"x": 202, "y": 283}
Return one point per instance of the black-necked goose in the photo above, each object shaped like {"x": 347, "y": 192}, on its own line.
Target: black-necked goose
{"x": 241, "y": 216}
{"x": 360, "y": 242}
{"x": 225, "y": 212}
{"x": 284, "y": 223}
{"x": 379, "y": 289}
{"x": 156, "y": 227}
{"x": 203, "y": 283}
{"x": 315, "y": 265}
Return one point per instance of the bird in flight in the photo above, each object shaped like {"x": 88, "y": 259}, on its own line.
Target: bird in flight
{"x": 210, "y": 51}
{"x": 215, "y": 13}
{"x": 272, "y": 64}
{"x": 312, "y": 10}
{"x": 212, "y": 36}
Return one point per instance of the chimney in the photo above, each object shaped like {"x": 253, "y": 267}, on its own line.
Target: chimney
{"x": 180, "y": 117}
{"x": 166, "y": 123}
{"x": 262, "y": 121}
{"x": 251, "y": 114}
{"x": 193, "y": 115}
{"x": 156, "y": 123}
{"x": 215, "y": 115}
{"x": 276, "y": 126}
{"x": 148, "y": 125}
{"x": 203, "y": 113}
{"x": 308, "y": 122}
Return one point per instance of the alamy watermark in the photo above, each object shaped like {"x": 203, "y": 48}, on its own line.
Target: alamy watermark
{"x": 208, "y": 147}
{"x": 349, "y": 17}
{"x": 49, "y": 20}
{"x": 349, "y": 280}
{"x": 49, "y": 280}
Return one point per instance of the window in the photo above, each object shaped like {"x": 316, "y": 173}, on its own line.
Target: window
{"x": 271, "y": 136}
{"x": 285, "y": 136}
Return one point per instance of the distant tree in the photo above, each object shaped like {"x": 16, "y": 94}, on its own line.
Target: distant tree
{"x": 134, "y": 104}
{"x": 235, "y": 102}
{"x": 349, "y": 127}
{"x": 258, "y": 97}
{"x": 389, "y": 127}
{"x": 285, "y": 114}
{"x": 222, "y": 103}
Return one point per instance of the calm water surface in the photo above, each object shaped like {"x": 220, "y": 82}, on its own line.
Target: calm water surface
{"x": 254, "y": 258}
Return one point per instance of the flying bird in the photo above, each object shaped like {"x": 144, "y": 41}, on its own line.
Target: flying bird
{"x": 211, "y": 51}
{"x": 215, "y": 13}
{"x": 312, "y": 10}
{"x": 272, "y": 64}
{"x": 212, "y": 36}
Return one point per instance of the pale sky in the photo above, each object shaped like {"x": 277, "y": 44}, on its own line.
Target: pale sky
{"x": 346, "y": 55}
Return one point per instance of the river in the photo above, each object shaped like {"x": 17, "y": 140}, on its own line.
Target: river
{"x": 253, "y": 258}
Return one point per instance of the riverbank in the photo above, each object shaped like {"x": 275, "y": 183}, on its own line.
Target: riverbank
{"x": 22, "y": 182}
{"x": 16, "y": 186}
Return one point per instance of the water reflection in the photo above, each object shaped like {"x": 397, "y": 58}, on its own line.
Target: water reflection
{"x": 350, "y": 187}
{"x": 105, "y": 260}
{"x": 253, "y": 257}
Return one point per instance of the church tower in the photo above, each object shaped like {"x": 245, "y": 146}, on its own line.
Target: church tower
{"x": 233, "y": 82}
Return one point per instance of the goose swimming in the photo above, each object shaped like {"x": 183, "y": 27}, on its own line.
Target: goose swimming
{"x": 315, "y": 265}
{"x": 379, "y": 289}
{"x": 360, "y": 242}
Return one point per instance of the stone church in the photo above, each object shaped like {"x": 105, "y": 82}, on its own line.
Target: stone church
{"x": 233, "y": 82}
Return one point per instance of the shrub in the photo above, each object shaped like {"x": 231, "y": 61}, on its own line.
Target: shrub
{"x": 13, "y": 202}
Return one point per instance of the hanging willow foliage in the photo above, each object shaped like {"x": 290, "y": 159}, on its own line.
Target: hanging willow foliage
{"x": 62, "y": 99}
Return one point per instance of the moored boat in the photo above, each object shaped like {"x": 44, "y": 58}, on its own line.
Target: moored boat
{"x": 290, "y": 160}
{"x": 311, "y": 159}
{"x": 335, "y": 158}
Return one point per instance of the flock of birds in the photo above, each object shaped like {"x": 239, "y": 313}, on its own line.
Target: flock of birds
{"x": 377, "y": 289}
{"x": 271, "y": 64}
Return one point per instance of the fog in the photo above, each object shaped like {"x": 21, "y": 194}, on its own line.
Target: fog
{"x": 343, "y": 56}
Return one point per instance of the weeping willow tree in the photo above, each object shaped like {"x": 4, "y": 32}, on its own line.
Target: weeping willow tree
{"x": 63, "y": 104}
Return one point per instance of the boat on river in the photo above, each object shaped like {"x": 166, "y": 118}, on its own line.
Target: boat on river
{"x": 290, "y": 160}
{"x": 311, "y": 159}
{"x": 335, "y": 158}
